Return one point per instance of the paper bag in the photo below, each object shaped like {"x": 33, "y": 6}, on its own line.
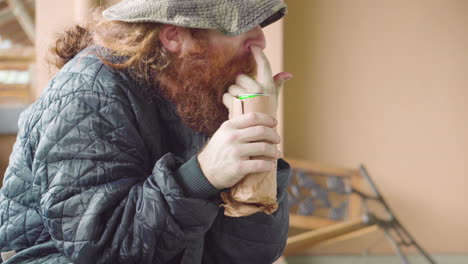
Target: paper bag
{"x": 256, "y": 192}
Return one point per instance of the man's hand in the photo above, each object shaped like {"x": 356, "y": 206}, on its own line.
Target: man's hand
{"x": 225, "y": 160}
{"x": 264, "y": 82}
{"x": 235, "y": 149}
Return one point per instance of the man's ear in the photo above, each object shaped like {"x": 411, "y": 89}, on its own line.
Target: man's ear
{"x": 172, "y": 37}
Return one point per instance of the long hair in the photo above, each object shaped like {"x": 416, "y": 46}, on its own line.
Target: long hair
{"x": 138, "y": 43}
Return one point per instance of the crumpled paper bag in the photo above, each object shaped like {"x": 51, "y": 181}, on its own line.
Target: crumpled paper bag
{"x": 256, "y": 192}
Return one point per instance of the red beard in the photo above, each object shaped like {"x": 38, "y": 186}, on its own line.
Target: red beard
{"x": 196, "y": 84}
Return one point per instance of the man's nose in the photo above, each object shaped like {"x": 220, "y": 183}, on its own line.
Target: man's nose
{"x": 255, "y": 37}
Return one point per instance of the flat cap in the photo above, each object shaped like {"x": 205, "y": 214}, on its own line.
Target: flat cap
{"x": 231, "y": 17}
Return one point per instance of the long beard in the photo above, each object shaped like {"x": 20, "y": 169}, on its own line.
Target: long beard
{"x": 196, "y": 83}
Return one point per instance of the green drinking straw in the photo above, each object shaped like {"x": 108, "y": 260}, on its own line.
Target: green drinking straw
{"x": 245, "y": 96}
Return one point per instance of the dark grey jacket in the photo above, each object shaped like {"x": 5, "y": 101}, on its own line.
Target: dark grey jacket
{"x": 100, "y": 174}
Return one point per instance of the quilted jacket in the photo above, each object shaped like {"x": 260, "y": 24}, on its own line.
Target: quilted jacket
{"x": 93, "y": 179}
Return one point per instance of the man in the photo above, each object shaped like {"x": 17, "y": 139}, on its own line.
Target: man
{"x": 123, "y": 157}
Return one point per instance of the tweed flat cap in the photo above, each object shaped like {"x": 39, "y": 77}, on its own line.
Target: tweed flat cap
{"x": 231, "y": 17}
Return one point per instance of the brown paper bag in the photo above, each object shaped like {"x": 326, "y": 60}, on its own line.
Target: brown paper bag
{"x": 256, "y": 192}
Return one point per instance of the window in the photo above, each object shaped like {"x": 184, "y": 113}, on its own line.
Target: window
{"x": 17, "y": 53}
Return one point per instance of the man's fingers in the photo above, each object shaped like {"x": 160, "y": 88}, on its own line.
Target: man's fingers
{"x": 256, "y": 165}
{"x": 264, "y": 75}
{"x": 251, "y": 119}
{"x": 259, "y": 149}
{"x": 236, "y": 90}
{"x": 227, "y": 100}
{"x": 249, "y": 84}
{"x": 259, "y": 133}
{"x": 281, "y": 78}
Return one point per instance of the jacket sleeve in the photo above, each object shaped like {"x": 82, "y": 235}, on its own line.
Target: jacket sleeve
{"x": 101, "y": 200}
{"x": 258, "y": 238}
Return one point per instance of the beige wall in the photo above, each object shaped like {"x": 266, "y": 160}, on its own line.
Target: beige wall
{"x": 385, "y": 83}
{"x": 52, "y": 16}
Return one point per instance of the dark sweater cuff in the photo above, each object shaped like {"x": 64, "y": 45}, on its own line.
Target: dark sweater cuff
{"x": 193, "y": 182}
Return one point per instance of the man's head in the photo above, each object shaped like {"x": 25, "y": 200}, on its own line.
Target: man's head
{"x": 205, "y": 64}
